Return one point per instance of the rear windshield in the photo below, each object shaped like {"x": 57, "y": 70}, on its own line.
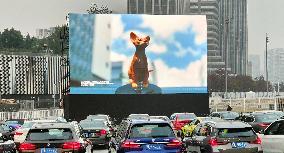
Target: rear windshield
{"x": 186, "y": 116}
{"x": 49, "y": 134}
{"x": 139, "y": 116}
{"x": 235, "y": 133}
{"x": 151, "y": 131}
{"x": 98, "y": 117}
{"x": 88, "y": 125}
{"x": 230, "y": 115}
{"x": 265, "y": 117}
{"x": 28, "y": 124}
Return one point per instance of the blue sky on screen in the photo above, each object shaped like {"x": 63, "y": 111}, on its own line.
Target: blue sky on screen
{"x": 178, "y": 46}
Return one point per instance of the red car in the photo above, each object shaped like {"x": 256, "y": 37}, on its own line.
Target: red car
{"x": 181, "y": 119}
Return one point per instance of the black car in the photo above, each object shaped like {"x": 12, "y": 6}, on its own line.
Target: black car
{"x": 223, "y": 137}
{"x": 96, "y": 131}
{"x": 152, "y": 135}
{"x": 7, "y": 146}
{"x": 7, "y": 133}
{"x": 259, "y": 121}
{"x": 53, "y": 137}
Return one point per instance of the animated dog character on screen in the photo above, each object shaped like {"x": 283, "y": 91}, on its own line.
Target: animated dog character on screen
{"x": 138, "y": 71}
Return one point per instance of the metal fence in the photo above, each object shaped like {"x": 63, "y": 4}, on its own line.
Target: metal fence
{"x": 246, "y": 104}
{"x": 34, "y": 114}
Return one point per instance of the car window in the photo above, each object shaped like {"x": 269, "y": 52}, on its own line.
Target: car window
{"x": 235, "y": 132}
{"x": 265, "y": 117}
{"x": 186, "y": 116}
{"x": 196, "y": 130}
{"x": 277, "y": 128}
{"x": 28, "y": 124}
{"x": 151, "y": 131}
{"x": 231, "y": 115}
{"x": 49, "y": 134}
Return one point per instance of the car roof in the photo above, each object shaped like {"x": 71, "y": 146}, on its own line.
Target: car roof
{"x": 137, "y": 121}
{"x": 51, "y": 125}
{"x": 228, "y": 124}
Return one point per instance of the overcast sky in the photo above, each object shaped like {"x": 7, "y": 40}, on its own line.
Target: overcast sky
{"x": 28, "y": 15}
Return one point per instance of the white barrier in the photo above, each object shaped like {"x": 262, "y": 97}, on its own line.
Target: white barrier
{"x": 35, "y": 114}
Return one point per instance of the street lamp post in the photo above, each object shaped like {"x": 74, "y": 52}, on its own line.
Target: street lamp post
{"x": 266, "y": 42}
{"x": 226, "y": 57}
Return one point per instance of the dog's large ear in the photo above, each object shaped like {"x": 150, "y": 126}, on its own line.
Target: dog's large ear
{"x": 148, "y": 38}
{"x": 133, "y": 37}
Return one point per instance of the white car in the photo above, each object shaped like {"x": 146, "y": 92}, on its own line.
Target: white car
{"x": 21, "y": 133}
{"x": 273, "y": 137}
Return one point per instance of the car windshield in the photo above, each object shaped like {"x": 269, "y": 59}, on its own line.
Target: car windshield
{"x": 265, "y": 117}
{"x": 49, "y": 134}
{"x": 28, "y": 124}
{"x": 230, "y": 115}
{"x": 12, "y": 122}
{"x": 235, "y": 132}
{"x": 151, "y": 131}
{"x": 139, "y": 116}
{"x": 186, "y": 116}
{"x": 98, "y": 117}
{"x": 96, "y": 124}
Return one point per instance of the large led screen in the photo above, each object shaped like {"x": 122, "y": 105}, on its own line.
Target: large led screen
{"x": 137, "y": 54}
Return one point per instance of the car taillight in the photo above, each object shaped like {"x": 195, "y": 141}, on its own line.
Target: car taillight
{"x": 103, "y": 132}
{"x": 263, "y": 125}
{"x": 174, "y": 143}
{"x": 257, "y": 141}
{"x": 71, "y": 145}
{"x": 130, "y": 145}
{"x": 18, "y": 133}
{"x": 213, "y": 142}
{"x": 27, "y": 146}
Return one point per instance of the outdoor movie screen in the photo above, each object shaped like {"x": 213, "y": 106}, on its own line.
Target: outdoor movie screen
{"x": 137, "y": 54}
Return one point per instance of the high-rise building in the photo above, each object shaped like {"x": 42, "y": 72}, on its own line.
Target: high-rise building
{"x": 33, "y": 74}
{"x": 210, "y": 8}
{"x": 249, "y": 72}
{"x": 43, "y": 33}
{"x": 156, "y": 6}
{"x": 255, "y": 61}
{"x": 275, "y": 61}
{"x": 89, "y": 52}
{"x": 234, "y": 35}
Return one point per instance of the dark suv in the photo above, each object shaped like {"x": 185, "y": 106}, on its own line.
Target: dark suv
{"x": 53, "y": 137}
{"x": 224, "y": 137}
{"x": 151, "y": 135}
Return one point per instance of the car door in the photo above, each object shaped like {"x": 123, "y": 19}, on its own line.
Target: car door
{"x": 273, "y": 138}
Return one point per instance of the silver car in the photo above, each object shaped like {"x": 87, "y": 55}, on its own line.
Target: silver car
{"x": 223, "y": 137}
{"x": 273, "y": 138}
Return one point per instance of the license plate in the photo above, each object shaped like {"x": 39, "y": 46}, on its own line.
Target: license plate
{"x": 154, "y": 147}
{"x": 48, "y": 150}
{"x": 94, "y": 135}
{"x": 238, "y": 145}
{"x": 86, "y": 135}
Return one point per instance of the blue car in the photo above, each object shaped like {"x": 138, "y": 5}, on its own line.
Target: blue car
{"x": 149, "y": 135}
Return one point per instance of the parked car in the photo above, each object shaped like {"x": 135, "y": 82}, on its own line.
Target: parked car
{"x": 277, "y": 113}
{"x": 21, "y": 133}
{"x": 107, "y": 118}
{"x": 97, "y": 131}
{"x": 13, "y": 124}
{"x": 152, "y": 135}
{"x": 7, "y": 146}
{"x": 53, "y": 137}
{"x": 139, "y": 116}
{"x": 181, "y": 119}
{"x": 188, "y": 128}
{"x": 259, "y": 121}
{"x": 224, "y": 137}
{"x": 7, "y": 133}
{"x": 226, "y": 115}
{"x": 273, "y": 137}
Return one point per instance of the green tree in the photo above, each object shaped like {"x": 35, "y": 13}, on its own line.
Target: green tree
{"x": 12, "y": 38}
{"x": 95, "y": 9}
{"x": 28, "y": 42}
{"x": 1, "y": 41}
